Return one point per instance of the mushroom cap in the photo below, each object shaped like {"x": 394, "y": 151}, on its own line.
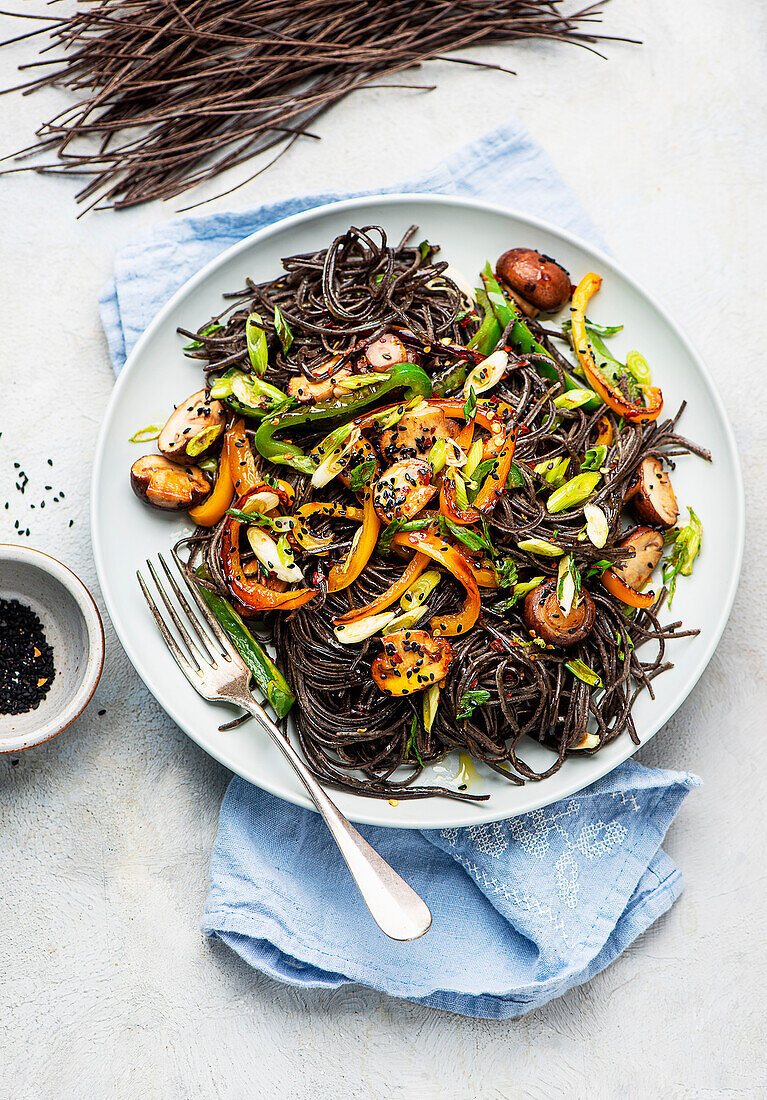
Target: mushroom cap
{"x": 652, "y": 494}
{"x": 538, "y": 279}
{"x": 543, "y": 614}
{"x": 647, "y": 545}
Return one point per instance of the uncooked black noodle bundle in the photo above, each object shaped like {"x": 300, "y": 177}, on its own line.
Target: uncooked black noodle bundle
{"x": 170, "y": 94}
{"x": 504, "y": 684}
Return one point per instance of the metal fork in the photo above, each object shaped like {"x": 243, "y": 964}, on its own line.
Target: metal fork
{"x": 218, "y": 674}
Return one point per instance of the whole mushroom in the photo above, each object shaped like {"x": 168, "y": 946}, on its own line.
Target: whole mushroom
{"x": 192, "y": 428}
{"x": 534, "y": 277}
{"x": 544, "y": 615}
{"x": 168, "y": 485}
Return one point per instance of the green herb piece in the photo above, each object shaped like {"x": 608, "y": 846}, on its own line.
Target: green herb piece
{"x": 686, "y": 548}
{"x": 412, "y": 744}
{"x": 594, "y": 458}
{"x": 210, "y": 330}
{"x": 145, "y": 435}
{"x": 469, "y": 700}
{"x": 255, "y": 337}
{"x": 253, "y": 519}
{"x": 515, "y": 479}
{"x": 282, "y": 328}
{"x": 584, "y": 673}
{"x": 425, "y": 249}
{"x": 387, "y": 535}
{"x": 597, "y": 568}
{"x": 361, "y": 474}
{"x": 470, "y": 405}
{"x": 466, "y": 535}
{"x": 506, "y": 573}
{"x": 430, "y": 705}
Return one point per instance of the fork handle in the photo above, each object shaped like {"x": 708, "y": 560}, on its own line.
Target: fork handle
{"x": 394, "y": 906}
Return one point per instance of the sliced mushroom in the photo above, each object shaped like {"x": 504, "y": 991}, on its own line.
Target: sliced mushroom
{"x": 192, "y": 428}
{"x": 544, "y": 615}
{"x": 403, "y": 490}
{"x": 653, "y": 494}
{"x": 416, "y": 434}
{"x": 412, "y": 660}
{"x": 648, "y": 548}
{"x": 538, "y": 279}
{"x": 384, "y": 353}
{"x": 168, "y": 485}
{"x": 309, "y": 392}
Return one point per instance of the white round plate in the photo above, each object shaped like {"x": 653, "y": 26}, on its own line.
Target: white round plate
{"x": 157, "y": 375}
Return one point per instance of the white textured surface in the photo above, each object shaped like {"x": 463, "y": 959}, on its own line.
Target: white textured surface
{"x": 107, "y": 988}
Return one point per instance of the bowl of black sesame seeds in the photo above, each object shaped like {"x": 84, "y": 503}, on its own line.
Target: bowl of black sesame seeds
{"x": 51, "y": 647}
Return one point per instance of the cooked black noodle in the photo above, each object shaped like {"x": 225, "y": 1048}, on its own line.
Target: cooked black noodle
{"x": 355, "y": 737}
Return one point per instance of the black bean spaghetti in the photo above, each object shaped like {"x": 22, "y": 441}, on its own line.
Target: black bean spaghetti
{"x": 427, "y": 506}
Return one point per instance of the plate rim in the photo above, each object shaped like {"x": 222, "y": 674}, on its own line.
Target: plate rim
{"x": 462, "y": 812}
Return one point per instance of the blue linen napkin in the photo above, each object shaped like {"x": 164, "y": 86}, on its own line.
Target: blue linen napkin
{"x": 523, "y": 909}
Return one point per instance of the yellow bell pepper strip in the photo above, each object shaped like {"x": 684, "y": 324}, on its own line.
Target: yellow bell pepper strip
{"x": 345, "y": 573}
{"x": 448, "y": 557}
{"x": 214, "y": 506}
{"x": 414, "y": 569}
{"x": 618, "y": 588}
{"x": 242, "y": 465}
{"x": 252, "y": 594}
{"x": 301, "y": 534}
{"x": 623, "y": 406}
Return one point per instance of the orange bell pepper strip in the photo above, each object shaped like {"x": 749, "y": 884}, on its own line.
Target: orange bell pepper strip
{"x": 342, "y": 574}
{"x": 485, "y": 576}
{"x": 486, "y": 414}
{"x": 623, "y": 592}
{"x": 242, "y": 465}
{"x": 252, "y": 594}
{"x": 214, "y": 506}
{"x": 618, "y": 402}
{"x": 448, "y": 557}
{"x": 414, "y": 569}
{"x": 495, "y": 482}
{"x": 604, "y": 433}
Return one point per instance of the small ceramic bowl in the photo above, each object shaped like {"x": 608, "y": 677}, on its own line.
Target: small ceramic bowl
{"x": 72, "y": 627}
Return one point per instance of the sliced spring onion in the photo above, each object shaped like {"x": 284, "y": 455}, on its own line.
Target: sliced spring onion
{"x": 408, "y": 619}
{"x": 276, "y": 557}
{"x": 420, "y": 590}
{"x": 358, "y": 381}
{"x": 430, "y": 704}
{"x": 573, "y": 399}
{"x": 587, "y": 675}
{"x": 637, "y": 365}
{"x": 487, "y": 374}
{"x": 255, "y": 336}
{"x": 553, "y": 471}
{"x": 474, "y": 458}
{"x": 594, "y": 458}
{"x": 351, "y": 633}
{"x": 336, "y": 460}
{"x": 573, "y": 492}
{"x": 145, "y": 435}
{"x": 541, "y": 547}
{"x": 202, "y": 440}
{"x": 282, "y": 328}
{"x": 567, "y": 585}
{"x": 454, "y": 456}
{"x": 436, "y": 456}
{"x": 597, "y": 527}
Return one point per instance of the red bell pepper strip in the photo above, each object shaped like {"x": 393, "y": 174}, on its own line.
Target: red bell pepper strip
{"x": 623, "y": 592}
{"x": 344, "y": 573}
{"x": 414, "y": 569}
{"x": 617, "y": 401}
{"x": 447, "y": 556}
{"x": 252, "y": 594}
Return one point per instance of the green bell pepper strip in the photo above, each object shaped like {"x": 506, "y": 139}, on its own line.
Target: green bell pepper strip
{"x": 270, "y": 680}
{"x": 412, "y": 378}
{"x": 486, "y": 338}
{"x": 520, "y": 335}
